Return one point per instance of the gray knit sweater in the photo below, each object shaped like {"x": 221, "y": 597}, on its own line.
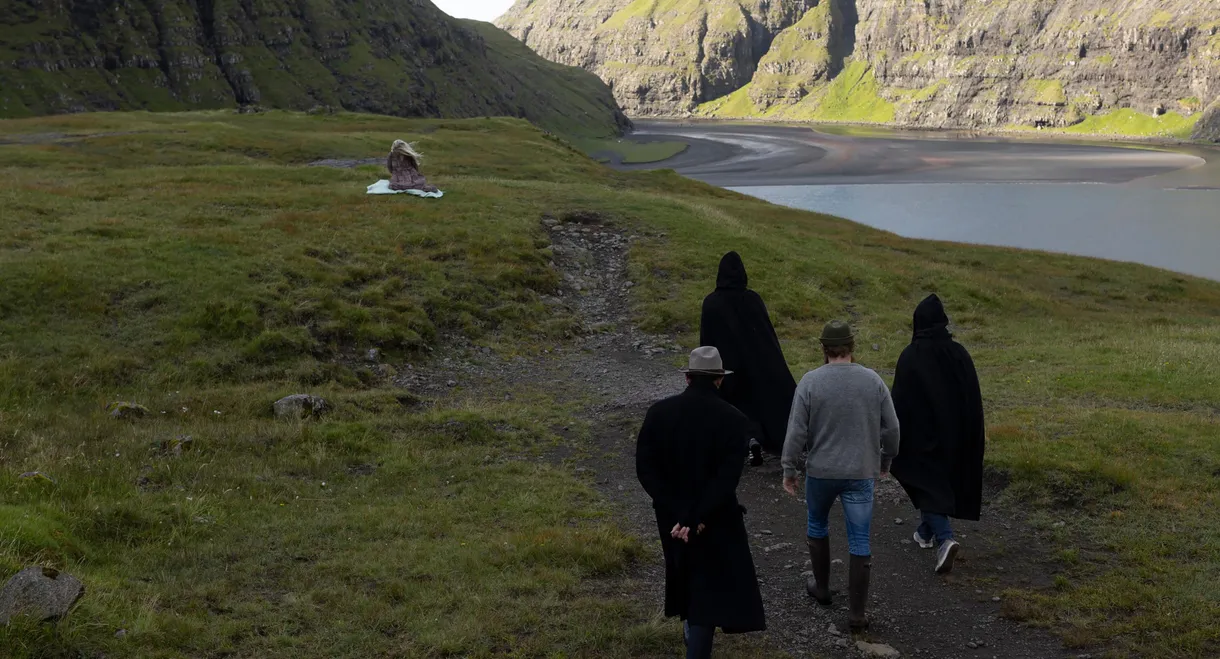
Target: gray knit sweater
{"x": 843, "y": 418}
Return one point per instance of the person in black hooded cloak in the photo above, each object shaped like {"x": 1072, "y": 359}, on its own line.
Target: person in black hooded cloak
{"x": 736, "y": 322}
{"x": 940, "y": 409}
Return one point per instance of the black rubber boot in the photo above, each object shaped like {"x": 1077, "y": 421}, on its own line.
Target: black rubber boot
{"x": 860, "y": 572}
{"x": 818, "y": 586}
{"x": 756, "y": 456}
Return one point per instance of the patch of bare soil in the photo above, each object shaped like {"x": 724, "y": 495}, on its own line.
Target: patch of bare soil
{"x": 618, "y": 371}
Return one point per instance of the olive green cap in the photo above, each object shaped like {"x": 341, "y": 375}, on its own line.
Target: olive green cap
{"x": 837, "y": 333}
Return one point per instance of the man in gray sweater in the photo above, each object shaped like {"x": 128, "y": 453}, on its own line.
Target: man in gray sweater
{"x": 844, "y": 421}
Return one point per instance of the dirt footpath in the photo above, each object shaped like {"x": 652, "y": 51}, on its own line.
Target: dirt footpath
{"x": 616, "y": 371}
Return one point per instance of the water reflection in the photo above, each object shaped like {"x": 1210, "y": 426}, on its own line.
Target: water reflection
{"x": 1175, "y": 229}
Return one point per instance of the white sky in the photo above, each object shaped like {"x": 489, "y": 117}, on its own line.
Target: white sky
{"x": 483, "y": 10}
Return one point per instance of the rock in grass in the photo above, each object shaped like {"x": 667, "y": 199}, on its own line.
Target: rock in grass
{"x": 876, "y": 650}
{"x": 41, "y": 593}
{"x": 175, "y": 447}
{"x": 126, "y": 411}
{"x": 37, "y": 476}
{"x": 301, "y": 406}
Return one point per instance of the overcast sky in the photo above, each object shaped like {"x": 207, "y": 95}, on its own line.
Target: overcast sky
{"x": 483, "y": 10}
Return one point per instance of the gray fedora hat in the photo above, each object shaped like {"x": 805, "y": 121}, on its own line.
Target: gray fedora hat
{"x": 706, "y": 361}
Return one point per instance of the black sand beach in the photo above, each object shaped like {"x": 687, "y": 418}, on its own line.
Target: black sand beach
{"x": 741, "y": 155}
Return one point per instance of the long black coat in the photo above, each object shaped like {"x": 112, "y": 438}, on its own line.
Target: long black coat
{"x": 736, "y": 322}
{"x": 940, "y": 408}
{"x": 689, "y": 458}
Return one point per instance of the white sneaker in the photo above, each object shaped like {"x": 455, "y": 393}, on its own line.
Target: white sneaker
{"x": 924, "y": 543}
{"x": 944, "y": 557}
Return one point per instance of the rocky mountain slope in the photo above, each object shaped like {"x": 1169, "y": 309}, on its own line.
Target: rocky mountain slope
{"x": 397, "y": 57}
{"x": 1140, "y": 66}
{"x": 1209, "y": 125}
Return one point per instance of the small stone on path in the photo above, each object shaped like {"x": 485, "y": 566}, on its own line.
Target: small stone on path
{"x": 898, "y": 521}
{"x": 832, "y": 630}
{"x": 837, "y": 561}
{"x": 876, "y": 650}
{"x": 782, "y": 545}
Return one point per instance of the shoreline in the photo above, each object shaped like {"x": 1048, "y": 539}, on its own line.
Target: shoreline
{"x": 973, "y": 133}
{"x": 746, "y": 154}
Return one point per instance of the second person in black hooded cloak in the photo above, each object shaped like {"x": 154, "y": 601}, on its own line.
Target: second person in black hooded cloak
{"x": 736, "y": 322}
{"x": 940, "y": 408}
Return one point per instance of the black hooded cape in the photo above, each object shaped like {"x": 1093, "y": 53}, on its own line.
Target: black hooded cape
{"x": 736, "y": 322}
{"x": 940, "y": 410}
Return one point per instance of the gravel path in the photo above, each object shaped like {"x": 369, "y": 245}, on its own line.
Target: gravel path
{"x": 616, "y": 371}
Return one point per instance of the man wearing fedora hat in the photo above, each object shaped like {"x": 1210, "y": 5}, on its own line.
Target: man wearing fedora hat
{"x": 689, "y": 459}
{"x": 843, "y": 420}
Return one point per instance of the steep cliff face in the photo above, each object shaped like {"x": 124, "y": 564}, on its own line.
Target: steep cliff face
{"x": 399, "y": 57}
{"x": 1139, "y": 66}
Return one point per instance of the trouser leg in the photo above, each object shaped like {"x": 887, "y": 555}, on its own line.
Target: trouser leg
{"x": 699, "y": 641}
{"x": 939, "y": 527}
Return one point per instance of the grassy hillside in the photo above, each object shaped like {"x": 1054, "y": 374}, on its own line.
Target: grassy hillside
{"x": 192, "y": 263}
{"x": 402, "y": 58}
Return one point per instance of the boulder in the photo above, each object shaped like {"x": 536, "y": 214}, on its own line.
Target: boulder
{"x": 41, "y": 593}
{"x": 126, "y": 411}
{"x": 301, "y": 406}
{"x": 1208, "y": 127}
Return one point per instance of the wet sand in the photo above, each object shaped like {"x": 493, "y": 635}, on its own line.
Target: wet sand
{"x": 741, "y": 155}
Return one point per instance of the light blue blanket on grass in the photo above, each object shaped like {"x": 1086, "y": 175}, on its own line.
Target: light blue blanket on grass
{"x": 383, "y": 187}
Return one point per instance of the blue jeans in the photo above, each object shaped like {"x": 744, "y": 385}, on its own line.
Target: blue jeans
{"x": 857, "y": 498}
{"x": 936, "y": 526}
{"x": 698, "y": 640}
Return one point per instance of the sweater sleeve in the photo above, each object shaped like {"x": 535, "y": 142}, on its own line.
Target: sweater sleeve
{"x": 797, "y": 439}
{"x": 890, "y": 434}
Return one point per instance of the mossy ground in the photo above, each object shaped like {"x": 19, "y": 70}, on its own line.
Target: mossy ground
{"x": 195, "y": 264}
{"x": 631, "y": 151}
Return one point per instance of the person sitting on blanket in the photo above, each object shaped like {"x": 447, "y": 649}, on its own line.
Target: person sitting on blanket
{"x": 403, "y": 164}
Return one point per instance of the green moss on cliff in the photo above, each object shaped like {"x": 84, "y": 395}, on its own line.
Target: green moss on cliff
{"x": 736, "y": 105}
{"x": 852, "y": 96}
{"x": 677, "y": 11}
{"x": 1045, "y": 92}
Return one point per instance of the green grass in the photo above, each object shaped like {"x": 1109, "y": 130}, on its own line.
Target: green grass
{"x": 1130, "y": 122}
{"x": 737, "y": 105}
{"x": 630, "y": 151}
{"x": 194, "y": 264}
